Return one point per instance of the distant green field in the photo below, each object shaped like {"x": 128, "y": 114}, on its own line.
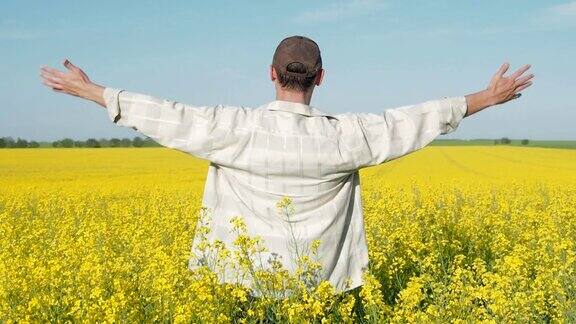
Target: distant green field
{"x": 484, "y": 142}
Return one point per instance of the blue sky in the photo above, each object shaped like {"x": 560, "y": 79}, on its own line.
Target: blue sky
{"x": 377, "y": 55}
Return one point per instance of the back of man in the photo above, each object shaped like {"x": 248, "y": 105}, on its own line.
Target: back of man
{"x": 307, "y": 156}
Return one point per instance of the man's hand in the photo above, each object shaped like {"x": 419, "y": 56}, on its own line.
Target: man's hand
{"x": 500, "y": 90}
{"x": 73, "y": 82}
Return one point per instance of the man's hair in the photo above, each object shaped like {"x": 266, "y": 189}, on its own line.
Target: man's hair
{"x": 299, "y": 83}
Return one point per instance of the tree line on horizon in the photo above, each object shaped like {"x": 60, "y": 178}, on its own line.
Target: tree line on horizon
{"x": 137, "y": 141}
{"x": 9, "y": 142}
{"x": 506, "y": 140}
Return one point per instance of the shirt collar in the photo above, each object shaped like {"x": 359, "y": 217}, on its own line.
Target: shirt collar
{"x": 298, "y": 108}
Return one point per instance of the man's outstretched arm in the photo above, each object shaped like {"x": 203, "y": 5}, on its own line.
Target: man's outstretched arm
{"x": 206, "y": 132}
{"x": 402, "y": 130}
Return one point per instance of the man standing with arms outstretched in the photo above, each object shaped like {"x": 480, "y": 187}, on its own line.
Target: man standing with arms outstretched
{"x": 289, "y": 148}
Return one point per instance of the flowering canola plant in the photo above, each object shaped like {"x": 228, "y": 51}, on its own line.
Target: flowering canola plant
{"x": 454, "y": 234}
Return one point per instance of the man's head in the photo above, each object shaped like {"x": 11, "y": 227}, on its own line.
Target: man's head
{"x": 297, "y": 65}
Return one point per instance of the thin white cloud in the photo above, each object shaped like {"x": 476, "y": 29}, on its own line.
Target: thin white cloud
{"x": 565, "y": 9}
{"x": 339, "y": 10}
{"x": 555, "y": 18}
{"x": 558, "y": 17}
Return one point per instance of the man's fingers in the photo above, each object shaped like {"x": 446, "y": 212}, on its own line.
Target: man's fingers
{"x": 503, "y": 69}
{"x": 50, "y": 77}
{"x": 524, "y": 86}
{"x": 50, "y": 80}
{"x": 52, "y": 85}
{"x": 519, "y": 72}
{"x": 50, "y": 70}
{"x": 523, "y": 79}
{"x": 54, "y": 72}
{"x": 45, "y": 74}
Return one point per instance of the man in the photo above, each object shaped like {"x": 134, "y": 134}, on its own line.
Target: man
{"x": 289, "y": 148}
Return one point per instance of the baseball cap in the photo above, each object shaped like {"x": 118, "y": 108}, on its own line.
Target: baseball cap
{"x": 297, "y": 49}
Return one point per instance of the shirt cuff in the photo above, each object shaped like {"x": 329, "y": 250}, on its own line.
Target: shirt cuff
{"x": 453, "y": 111}
{"x": 112, "y": 101}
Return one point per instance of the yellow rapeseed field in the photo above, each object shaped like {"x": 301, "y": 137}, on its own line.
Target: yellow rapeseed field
{"x": 455, "y": 234}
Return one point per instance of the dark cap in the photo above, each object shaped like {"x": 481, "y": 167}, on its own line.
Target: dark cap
{"x": 294, "y": 50}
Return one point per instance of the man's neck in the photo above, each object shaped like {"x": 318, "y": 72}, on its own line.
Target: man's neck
{"x": 294, "y": 96}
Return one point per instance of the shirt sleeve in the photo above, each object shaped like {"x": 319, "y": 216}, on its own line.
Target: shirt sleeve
{"x": 400, "y": 131}
{"x": 207, "y": 132}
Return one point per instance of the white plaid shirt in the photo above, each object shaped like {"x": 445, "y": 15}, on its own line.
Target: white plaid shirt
{"x": 289, "y": 149}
